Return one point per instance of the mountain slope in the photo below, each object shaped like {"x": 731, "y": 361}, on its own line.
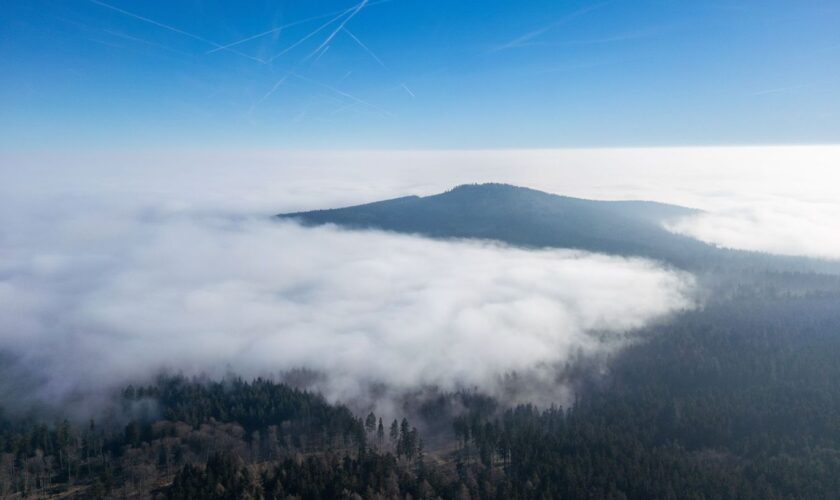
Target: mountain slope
{"x": 530, "y": 218}
{"x": 526, "y": 217}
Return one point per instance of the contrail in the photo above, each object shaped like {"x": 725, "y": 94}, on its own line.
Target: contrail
{"x": 264, "y": 33}
{"x": 321, "y": 54}
{"x": 146, "y": 42}
{"x": 310, "y": 35}
{"x": 339, "y": 13}
{"x": 342, "y": 93}
{"x": 171, "y": 28}
{"x": 522, "y": 40}
{"x": 273, "y": 89}
{"x": 359, "y": 7}
{"x": 269, "y": 93}
{"x": 408, "y": 90}
{"x": 365, "y": 47}
{"x": 275, "y": 30}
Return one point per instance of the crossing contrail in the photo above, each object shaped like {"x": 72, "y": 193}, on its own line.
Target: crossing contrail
{"x": 342, "y": 93}
{"x": 337, "y": 13}
{"x": 358, "y": 8}
{"x": 307, "y": 37}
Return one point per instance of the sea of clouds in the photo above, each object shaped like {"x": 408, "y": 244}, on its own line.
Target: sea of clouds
{"x": 113, "y": 268}
{"x": 778, "y": 199}
{"x": 93, "y": 299}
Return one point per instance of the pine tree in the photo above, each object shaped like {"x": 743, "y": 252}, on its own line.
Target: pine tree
{"x": 370, "y": 423}
{"x": 394, "y": 433}
{"x": 380, "y": 433}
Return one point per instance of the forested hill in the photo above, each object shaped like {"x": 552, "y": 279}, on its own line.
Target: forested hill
{"x": 530, "y": 218}
{"x": 526, "y": 217}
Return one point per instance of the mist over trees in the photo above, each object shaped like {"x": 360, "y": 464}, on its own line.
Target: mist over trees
{"x": 733, "y": 400}
{"x": 260, "y": 297}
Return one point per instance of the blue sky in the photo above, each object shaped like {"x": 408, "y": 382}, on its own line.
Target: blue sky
{"x": 128, "y": 74}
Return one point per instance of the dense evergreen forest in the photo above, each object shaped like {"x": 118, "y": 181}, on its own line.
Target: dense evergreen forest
{"x": 736, "y": 399}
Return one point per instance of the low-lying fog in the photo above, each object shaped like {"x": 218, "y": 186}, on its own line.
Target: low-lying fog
{"x": 116, "y": 267}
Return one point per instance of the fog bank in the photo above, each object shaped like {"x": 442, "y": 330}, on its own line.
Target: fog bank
{"x": 97, "y": 296}
{"x": 116, "y": 265}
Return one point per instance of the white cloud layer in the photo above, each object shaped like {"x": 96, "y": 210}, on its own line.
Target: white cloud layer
{"x": 93, "y": 298}
{"x": 115, "y": 265}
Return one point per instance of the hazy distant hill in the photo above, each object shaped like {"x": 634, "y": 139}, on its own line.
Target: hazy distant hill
{"x": 527, "y": 217}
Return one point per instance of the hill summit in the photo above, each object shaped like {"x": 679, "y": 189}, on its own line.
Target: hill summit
{"x": 525, "y": 217}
